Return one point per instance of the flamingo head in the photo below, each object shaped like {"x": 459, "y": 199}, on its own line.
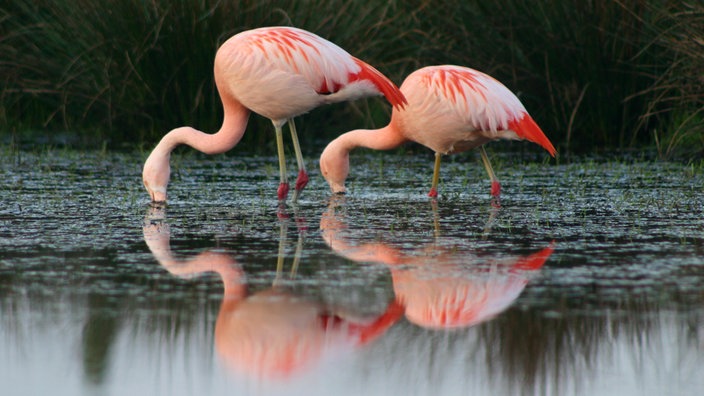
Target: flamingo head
{"x": 155, "y": 175}
{"x": 335, "y": 166}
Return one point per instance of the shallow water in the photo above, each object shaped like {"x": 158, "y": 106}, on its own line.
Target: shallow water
{"x": 587, "y": 279}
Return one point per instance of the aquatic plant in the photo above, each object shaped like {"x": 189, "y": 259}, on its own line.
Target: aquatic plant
{"x": 595, "y": 75}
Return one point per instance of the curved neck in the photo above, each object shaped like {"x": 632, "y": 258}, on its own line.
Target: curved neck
{"x": 230, "y": 133}
{"x": 157, "y": 170}
{"x": 385, "y": 138}
{"x": 335, "y": 162}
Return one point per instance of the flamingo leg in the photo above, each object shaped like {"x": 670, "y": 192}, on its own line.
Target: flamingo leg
{"x": 283, "y": 184}
{"x": 302, "y": 229}
{"x": 283, "y": 231}
{"x": 436, "y": 176}
{"x": 302, "y": 179}
{"x": 297, "y": 254}
{"x": 495, "y": 185}
{"x": 493, "y": 212}
{"x": 436, "y": 218}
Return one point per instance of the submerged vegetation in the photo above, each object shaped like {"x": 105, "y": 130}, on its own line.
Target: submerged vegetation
{"x": 595, "y": 75}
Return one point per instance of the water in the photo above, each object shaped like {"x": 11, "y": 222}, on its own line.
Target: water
{"x": 588, "y": 279}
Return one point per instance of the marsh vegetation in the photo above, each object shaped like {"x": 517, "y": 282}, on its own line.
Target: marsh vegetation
{"x": 599, "y": 75}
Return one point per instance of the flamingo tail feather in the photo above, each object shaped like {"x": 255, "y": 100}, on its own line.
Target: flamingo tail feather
{"x": 527, "y": 129}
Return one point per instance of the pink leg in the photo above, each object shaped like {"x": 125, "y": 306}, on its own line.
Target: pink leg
{"x": 302, "y": 174}
{"x": 436, "y": 177}
{"x": 495, "y": 185}
{"x": 495, "y": 188}
{"x": 495, "y": 194}
{"x": 283, "y": 191}
{"x": 302, "y": 180}
{"x": 281, "y": 212}
{"x": 283, "y": 185}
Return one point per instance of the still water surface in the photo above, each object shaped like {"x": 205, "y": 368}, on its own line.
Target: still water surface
{"x": 588, "y": 279}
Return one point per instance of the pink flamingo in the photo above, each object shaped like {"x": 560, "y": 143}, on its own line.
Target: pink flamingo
{"x": 273, "y": 333}
{"x": 450, "y": 109}
{"x": 442, "y": 284}
{"x": 279, "y": 73}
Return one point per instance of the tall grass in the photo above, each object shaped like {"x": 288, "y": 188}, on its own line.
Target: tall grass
{"x": 675, "y": 96}
{"x": 598, "y": 74}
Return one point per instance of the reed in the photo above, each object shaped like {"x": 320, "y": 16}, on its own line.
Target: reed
{"x": 597, "y": 75}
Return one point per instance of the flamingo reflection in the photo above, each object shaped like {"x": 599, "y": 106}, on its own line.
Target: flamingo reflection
{"x": 445, "y": 284}
{"x": 273, "y": 333}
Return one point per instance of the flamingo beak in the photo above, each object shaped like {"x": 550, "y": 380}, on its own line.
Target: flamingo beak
{"x": 157, "y": 194}
{"x": 337, "y": 188}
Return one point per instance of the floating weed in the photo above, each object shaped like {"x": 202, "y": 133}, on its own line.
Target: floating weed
{"x": 269, "y": 170}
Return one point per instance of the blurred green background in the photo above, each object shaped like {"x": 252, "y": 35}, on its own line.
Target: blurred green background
{"x": 596, "y": 75}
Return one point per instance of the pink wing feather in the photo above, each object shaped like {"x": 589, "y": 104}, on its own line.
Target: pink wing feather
{"x": 485, "y": 103}
{"x": 326, "y": 66}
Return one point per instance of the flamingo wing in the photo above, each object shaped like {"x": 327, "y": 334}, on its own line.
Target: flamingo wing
{"x": 328, "y": 69}
{"x": 482, "y": 103}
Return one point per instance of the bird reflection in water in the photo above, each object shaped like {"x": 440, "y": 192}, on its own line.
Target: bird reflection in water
{"x": 274, "y": 333}
{"x": 444, "y": 284}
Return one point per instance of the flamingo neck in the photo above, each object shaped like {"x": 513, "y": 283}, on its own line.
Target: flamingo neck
{"x": 335, "y": 159}
{"x": 157, "y": 170}
{"x": 385, "y": 138}
{"x": 230, "y": 133}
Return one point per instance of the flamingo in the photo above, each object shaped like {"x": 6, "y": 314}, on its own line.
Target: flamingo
{"x": 279, "y": 73}
{"x": 450, "y": 109}
{"x": 443, "y": 284}
{"x": 273, "y": 333}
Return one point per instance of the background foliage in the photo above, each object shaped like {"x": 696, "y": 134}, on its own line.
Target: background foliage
{"x": 596, "y": 75}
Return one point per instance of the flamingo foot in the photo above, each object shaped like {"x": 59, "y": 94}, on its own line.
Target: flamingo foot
{"x": 495, "y": 189}
{"x": 281, "y": 213}
{"x": 282, "y": 191}
{"x": 301, "y": 224}
{"x": 433, "y": 193}
{"x": 495, "y": 194}
{"x": 302, "y": 180}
